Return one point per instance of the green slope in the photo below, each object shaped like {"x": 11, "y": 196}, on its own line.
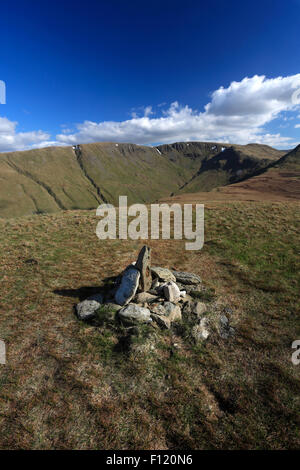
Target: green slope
{"x": 290, "y": 161}
{"x": 81, "y": 177}
{"x": 141, "y": 173}
{"x": 230, "y": 164}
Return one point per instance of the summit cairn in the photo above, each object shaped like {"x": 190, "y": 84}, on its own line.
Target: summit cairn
{"x": 160, "y": 298}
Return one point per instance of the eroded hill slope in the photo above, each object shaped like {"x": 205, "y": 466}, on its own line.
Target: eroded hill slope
{"x": 82, "y": 177}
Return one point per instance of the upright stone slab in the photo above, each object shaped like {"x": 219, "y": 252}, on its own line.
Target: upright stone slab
{"x": 128, "y": 286}
{"x": 143, "y": 264}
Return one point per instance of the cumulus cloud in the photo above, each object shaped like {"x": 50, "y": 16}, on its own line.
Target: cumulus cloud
{"x": 11, "y": 140}
{"x": 235, "y": 114}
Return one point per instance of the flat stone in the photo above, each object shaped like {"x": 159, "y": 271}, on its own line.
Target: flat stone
{"x": 133, "y": 314}
{"x": 200, "y": 332}
{"x": 158, "y": 309}
{"x": 172, "y": 292}
{"x": 173, "y": 312}
{"x": 145, "y": 297}
{"x": 87, "y": 309}
{"x": 163, "y": 274}
{"x": 143, "y": 265}
{"x": 190, "y": 287}
{"x": 162, "y": 321}
{"x": 128, "y": 287}
{"x": 186, "y": 278}
{"x": 168, "y": 310}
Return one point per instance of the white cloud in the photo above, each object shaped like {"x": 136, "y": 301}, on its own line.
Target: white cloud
{"x": 235, "y": 114}
{"x": 11, "y": 140}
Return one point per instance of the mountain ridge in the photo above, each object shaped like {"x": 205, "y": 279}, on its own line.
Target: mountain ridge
{"x": 82, "y": 176}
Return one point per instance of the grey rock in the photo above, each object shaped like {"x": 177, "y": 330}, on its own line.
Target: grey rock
{"x": 87, "y": 309}
{"x": 167, "y": 310}
{"x": 128, "y": 286}
{"x": 173, "y": 312}
{"x": 190, "y": 287}
{"x": 158, "y": 309}
{"x": 199, "y": 308}
{"x": 225, "y": 330}
{"x": 162, "y": 321}
{"x": 200, "y": 332}
{"x": 132, "y": 314}
{"x": 143, "y": 264}
{"x": 163, "y": 274}
{"x": 224, "y": 322}
{"x": 145, "y": 297}
{"x": 171, "y": 292}
{"x": 228, "y": 311}
{"x": 186, "y": 278}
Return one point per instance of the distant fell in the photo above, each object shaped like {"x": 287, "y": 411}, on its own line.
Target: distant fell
{"x": 81, "y": 177}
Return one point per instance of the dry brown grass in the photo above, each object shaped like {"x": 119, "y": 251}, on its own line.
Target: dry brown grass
{"x": 274, "y": 185}
{"x": 67, "y": 385}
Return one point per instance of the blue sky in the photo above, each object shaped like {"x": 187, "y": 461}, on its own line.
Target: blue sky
{"x": 164, "y": 71}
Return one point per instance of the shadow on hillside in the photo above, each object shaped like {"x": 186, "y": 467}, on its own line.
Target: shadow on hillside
{"x": 81, "y": 293}
{"x": 84, "y": 292}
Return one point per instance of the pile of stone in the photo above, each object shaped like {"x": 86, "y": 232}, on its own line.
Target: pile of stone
{"x": 154, "y": 295}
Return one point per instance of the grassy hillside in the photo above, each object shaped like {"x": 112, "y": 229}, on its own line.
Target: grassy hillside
{"x": 290, "y": 161}
{"x": 139, "y": 172}
{"x": 72, "y": 385}
{"x": 63, "y": 178}
{"x": 45, "y": 180}
{"x": 229, "y": 165}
